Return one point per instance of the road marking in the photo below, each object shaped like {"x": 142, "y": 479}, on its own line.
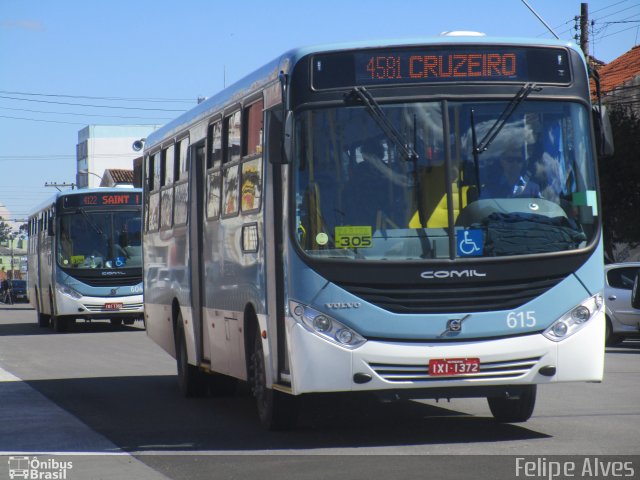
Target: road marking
{"x": 8, "y": 377}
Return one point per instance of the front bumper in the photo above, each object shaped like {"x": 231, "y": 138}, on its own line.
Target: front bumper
{"x": 100, "y": 307}
{"x": 318, "y": 365}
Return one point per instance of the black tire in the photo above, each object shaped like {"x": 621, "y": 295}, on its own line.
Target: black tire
{"x": 516, "y": 409}
{"x": 59, "y": 323}
{"x": 276, "y": 410}
{"x": 191, "y": 381}
{"x": 611, "y": 339}
{"x": 43, "y": 320}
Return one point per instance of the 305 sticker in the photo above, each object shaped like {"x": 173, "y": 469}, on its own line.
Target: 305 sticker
{"x": 354, "y": 237}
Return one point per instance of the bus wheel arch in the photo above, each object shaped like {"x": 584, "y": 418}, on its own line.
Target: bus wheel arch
{"x": 191, "y": 381}
{"x": 276, "y": 410}
{"x": 43, "y": 318}
{"x": 59, "y": 323}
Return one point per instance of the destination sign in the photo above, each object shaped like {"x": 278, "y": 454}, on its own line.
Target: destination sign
{"x": 440, "y": 63}
{"x": 102, "y": 199}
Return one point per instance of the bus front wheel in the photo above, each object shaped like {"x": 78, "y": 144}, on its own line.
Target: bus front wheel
{"x": 59, "y": 323}
{"x": 276, "y": 410}
{"x": 514, "y": 409}
{"x": 191, "y": 381}
{"x": 43, "y": 319}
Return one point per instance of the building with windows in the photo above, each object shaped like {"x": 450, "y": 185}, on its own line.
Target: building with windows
{"x": 103, "y": 147}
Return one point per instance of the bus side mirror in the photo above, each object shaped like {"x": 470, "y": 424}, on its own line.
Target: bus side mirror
{"x": 635, "y": 295}
{"x": 50, "y": 230}
{"x": 603, "y": 130}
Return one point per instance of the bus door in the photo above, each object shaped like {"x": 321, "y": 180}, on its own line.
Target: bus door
{"x": 45, "y": 268}
{"x": 196, "y": 201}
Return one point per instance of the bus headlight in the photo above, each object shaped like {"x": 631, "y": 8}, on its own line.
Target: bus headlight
{"x": 325, "y": 326}
{"x": 68, "y": 291}
{"x": 574, "y": 320}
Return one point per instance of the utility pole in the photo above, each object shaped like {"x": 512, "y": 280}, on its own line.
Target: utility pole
{"x": 584, "y": 28}
{"x": 58, "y": 185}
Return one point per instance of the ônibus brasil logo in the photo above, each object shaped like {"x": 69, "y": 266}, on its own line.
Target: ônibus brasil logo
{"x": 35, "y": 469}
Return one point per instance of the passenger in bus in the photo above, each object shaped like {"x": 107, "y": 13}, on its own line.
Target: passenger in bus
{"x": 510, "y": 180}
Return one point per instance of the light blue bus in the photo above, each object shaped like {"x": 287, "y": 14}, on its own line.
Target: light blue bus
{"x": 85, "y": 257}
{"x": 415, "y": 219}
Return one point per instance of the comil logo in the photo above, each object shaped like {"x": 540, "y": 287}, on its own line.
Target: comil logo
{"x": 36, "y": 469}
{"x": 429, "y": 274}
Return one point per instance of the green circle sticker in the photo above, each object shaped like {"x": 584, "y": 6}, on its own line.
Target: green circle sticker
{"x": 322, "y": 238}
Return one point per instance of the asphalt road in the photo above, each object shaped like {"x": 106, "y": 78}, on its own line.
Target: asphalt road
{"x": 108, "y": 400}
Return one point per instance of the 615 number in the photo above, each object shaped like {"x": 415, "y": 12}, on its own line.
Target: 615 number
{"x": 521, "y": 319}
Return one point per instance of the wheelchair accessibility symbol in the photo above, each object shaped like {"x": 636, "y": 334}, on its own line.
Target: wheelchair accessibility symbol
{"x": 470, "y": 243}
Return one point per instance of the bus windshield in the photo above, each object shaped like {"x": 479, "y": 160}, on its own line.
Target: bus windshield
{"x": 105, "y": 240}
{"x": 484, "y": 183}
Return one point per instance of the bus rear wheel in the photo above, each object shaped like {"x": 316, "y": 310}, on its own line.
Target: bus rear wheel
{"x": 514, "y": 409}
{"x": 276, "y": 410}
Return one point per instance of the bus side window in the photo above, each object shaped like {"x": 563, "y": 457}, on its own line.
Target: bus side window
{"x": 232, "y": 135}
{"x": 251, "y": 180}
{"x": 230, "y": 191}
{"x": 181, "y": 189}
{"x": 166, "y": 186}
{"x": 214, "y": 156}
{"x": 214, "y": 177}
{"x": 182, "y": 160}
{"x": 253, "y": 128}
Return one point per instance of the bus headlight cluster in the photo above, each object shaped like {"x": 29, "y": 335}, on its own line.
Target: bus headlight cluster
{"x": 68, "y": 291}
{"x": 324, "y": 326}
{"x": 573, "y": 321}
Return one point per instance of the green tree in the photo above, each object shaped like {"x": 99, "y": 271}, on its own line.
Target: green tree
{"x": 5, "y": 231}
{"x": 619, "y": 177}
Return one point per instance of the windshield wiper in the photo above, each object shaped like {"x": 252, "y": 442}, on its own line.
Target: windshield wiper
{"x": 90, "y": 222}
{"x": 497, "y": 126}
{"x": 406, "y": 150}
{"x": 500, "y": 122}
{"x": 373, "y": 108}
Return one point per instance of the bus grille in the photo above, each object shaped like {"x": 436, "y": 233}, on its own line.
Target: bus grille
{"x": 114, "y": 281}
{"x": 99, "y": 308}
{"x": 507, "y": 369}
{"x": 453, "y": 298}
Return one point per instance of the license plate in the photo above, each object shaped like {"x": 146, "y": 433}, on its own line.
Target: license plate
{"x": 453, "y": 366}
{"x": 112, "y": 306}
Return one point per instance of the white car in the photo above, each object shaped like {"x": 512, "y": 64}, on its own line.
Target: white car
{"x": 623, "y": 320}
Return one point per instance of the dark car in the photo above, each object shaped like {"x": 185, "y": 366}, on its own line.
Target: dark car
{"x": 18, "y": 289}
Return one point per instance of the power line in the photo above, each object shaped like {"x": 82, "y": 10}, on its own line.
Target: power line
{"x": 92, "y": 106}
{"x": 40, "y": 120}
{"x": 121, "y": 99}
{"x": 81, "y": 114}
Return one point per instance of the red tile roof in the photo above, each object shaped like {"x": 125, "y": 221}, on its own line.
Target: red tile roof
{"x": 121, "y": 175}
{"x": 624, "y": 68}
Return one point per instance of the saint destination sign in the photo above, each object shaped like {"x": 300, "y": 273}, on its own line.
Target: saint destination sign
{"x": 101, "y": 199}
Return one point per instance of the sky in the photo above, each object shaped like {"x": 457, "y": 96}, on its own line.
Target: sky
{"x": 66, "y": 64}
